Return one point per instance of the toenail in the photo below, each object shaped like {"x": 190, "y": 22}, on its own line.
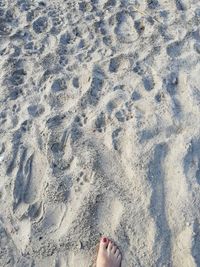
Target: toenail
{"x": 104, "y": 239}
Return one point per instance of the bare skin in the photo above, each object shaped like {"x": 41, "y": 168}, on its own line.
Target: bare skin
{"x": 108, "y": 255}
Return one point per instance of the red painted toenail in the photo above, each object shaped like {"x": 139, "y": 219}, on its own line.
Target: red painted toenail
{"x": 104, "y": 239}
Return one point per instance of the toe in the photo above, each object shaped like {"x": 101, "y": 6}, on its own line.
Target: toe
{"x": 117, "y": 252}
{"x": 119, "y": 257}
{"x": 114, "y": 248}
{"x": 103, "y": 243}
{"x": 110, "y": 245}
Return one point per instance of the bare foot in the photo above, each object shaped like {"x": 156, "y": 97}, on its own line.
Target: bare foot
{"x": 108, "y": 255}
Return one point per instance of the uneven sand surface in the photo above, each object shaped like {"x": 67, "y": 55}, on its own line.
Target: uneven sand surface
{"x": 99, "y": 131}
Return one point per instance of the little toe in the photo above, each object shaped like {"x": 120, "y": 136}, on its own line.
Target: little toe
{"x": 117, "y": 252}
{"x": 119, "y": 257}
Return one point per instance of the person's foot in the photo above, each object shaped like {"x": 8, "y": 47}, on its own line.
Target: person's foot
{"x": 108, "y": 255}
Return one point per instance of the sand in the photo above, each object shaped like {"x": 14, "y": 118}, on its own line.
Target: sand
{"x": 99, "y": 131}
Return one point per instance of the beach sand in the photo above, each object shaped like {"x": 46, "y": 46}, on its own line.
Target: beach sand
{"x": 99, "y": 131}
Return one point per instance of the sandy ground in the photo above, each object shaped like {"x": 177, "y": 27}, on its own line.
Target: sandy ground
{"x": 99, "y": 131}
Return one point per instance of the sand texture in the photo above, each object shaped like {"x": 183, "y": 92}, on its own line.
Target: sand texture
{"x": 99, "y": 131}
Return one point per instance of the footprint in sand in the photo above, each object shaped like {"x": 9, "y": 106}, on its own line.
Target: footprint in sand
{"x": 109, "y": 215}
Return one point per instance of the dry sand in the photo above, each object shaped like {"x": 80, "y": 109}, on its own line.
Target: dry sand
{"x": 99, "y": 131}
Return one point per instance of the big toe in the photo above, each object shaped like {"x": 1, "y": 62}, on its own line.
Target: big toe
{"x": 103, "y": 243}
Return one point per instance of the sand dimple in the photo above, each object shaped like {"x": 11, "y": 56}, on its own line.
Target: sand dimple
{"x": 125, "y": 30}
{"x": 99, "y": 131}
